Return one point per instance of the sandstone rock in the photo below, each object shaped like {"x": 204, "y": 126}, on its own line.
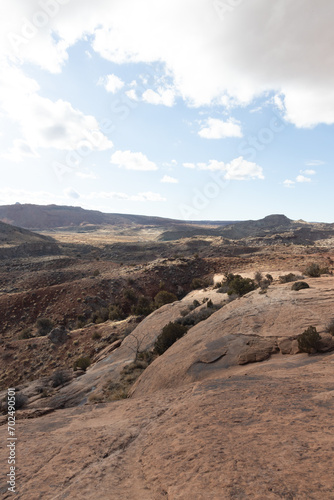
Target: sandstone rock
{"x": 58, "y": 335}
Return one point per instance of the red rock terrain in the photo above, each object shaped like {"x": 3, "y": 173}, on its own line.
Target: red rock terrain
{"x": 225, "y": 413}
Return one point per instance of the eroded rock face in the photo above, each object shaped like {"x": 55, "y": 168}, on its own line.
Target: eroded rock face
{"x": 249, "y": 329}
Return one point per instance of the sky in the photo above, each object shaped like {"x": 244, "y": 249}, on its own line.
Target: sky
{"x": 189, "y": 109}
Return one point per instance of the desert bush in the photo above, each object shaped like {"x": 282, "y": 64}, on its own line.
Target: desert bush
{"x": 20, "y": 401}
{"x": 96, "y": 273}
{"x": 81, "y": 321}
{"x": 144, "y": 307}
{"x": 60, "y": 377}
{"x": 116, "y": 313}
{"x": 199, "y": 283}
{"x": 100, "y": 316}
{"x": 330, "y": 327}
{"x": 130, "y": 295}
{"x": 258, "y": 277}
{"x": 299, "y": 285}
{"x": 26, "y": 334}
{"x": 313, "y": 270}
{"x": 269, "y": 278}
{"x": 164, "y": 297}
{"x": 209, "y": 303}
{"x": 169, "y": 335}
{"x": 82, "y": 363}
{"x": 309, "y": 340}
{"x": 44, "y": 326}
{"x": 237, "y": 285}
{"x": 289, "y": 278}
{"x": 195, "y": 317}
{"x": 96, "y": 336}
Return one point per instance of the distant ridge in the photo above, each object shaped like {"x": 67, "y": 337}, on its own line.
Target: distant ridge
{"x": 44, "y": 217}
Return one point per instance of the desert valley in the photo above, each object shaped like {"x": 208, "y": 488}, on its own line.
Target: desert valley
{"x": 158, "y": 359}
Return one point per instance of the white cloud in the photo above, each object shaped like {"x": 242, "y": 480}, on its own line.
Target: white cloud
{"x": 112, "y": 83}
{"x": 308, "y": 172}
{"x": 71, "y": 193}
{"x": 302, "y": 178}
{"x": 169, "y": 180}
{"x": 166, "y": 97}
{"x": 19, "y": 151}
{"x": 132, "y": 94}
{"x": 288, "y": 183}
{"x": 132, "y": 161}
{"x": 209, "y": 59}
{"x": 218, "y": 129}
{"x": 238, "y": 169}
{"x": 148, "y": 196}
{"x": 315, "y": 163}
{"x": 189, "y": 165}
{"x": 44, "y": 123}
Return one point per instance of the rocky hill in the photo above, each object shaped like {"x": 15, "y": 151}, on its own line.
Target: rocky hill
{"x": 18, "y": 242}
{"x": 42, "y": 217}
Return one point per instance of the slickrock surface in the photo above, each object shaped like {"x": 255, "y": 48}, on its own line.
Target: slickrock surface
{"x": 246, "y": 330}
{"x": 201, "y": 424}
{"x": 266, "y": 432}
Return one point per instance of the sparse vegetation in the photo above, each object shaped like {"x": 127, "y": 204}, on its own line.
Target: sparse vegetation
{"x": 169, "y": 335}
{"x": 163, "y": 297}
{"x": 289, "y": 278}
{"x": 96, "y": 336}
{"x": 44, "y": 326}
{"x": 82, "y": 363}
{"x": 313, "y": 270}
{"x": 59, "y": 378}
{"x": 309, "y": 340}
{"x": 237, "y": 285}
{"x": 144, "y": 307}
{"x": 26, "y": 334}
{"x": 199, "y": 283}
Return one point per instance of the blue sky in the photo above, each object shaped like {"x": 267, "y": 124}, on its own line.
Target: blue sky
{"x": 219, "y": 110}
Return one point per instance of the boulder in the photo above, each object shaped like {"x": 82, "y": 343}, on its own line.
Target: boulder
{"x": 58, "y": 335}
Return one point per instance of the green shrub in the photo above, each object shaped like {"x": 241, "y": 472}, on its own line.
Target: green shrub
{"x": 330, "y": 327}
{"x": 237, "y": 285}
{"x": 169, "y": 335}
{"x": 288, "y": 278}
{"x": 313, "y": 270}
{"x": 199, "y": 283}
{"x": 258, "y": 277}
{"x": 96, "y": 272}
{"x": 164, "y": 297}
{"x": 269, "y": 278}
{"x": 130, "y": 295}
{"x": 309, "y": 340}
{"x": 116, "y": 313}
{"x": 60, "y": 377}
{"x": 26, "y": 334}
{"x": 299, "y": 285}
{"x": 96, "y": 336}
{"x": 144, "y": 307}
{"x": 82, "y": 363}
{"x": 44, "y": 326}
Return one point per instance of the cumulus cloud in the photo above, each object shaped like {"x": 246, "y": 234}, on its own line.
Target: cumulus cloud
{"x": 315, "y": 163}
{"x": 86, "y": 175}
{"x": 132, "y": 94}
{"x": 302, "y": 178}
{"x": 112, "y": 83}
{"x": 238, "y": 169}
{"x": 210, "y": 59}
{"x": 169, "y": 180}
{"x": 44, "y": 123}
{"x": 289, "y": 183}
{"x": 166, "y": 97}
{"x": 132, "y": 161}
{"x": 218, "y": 129}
